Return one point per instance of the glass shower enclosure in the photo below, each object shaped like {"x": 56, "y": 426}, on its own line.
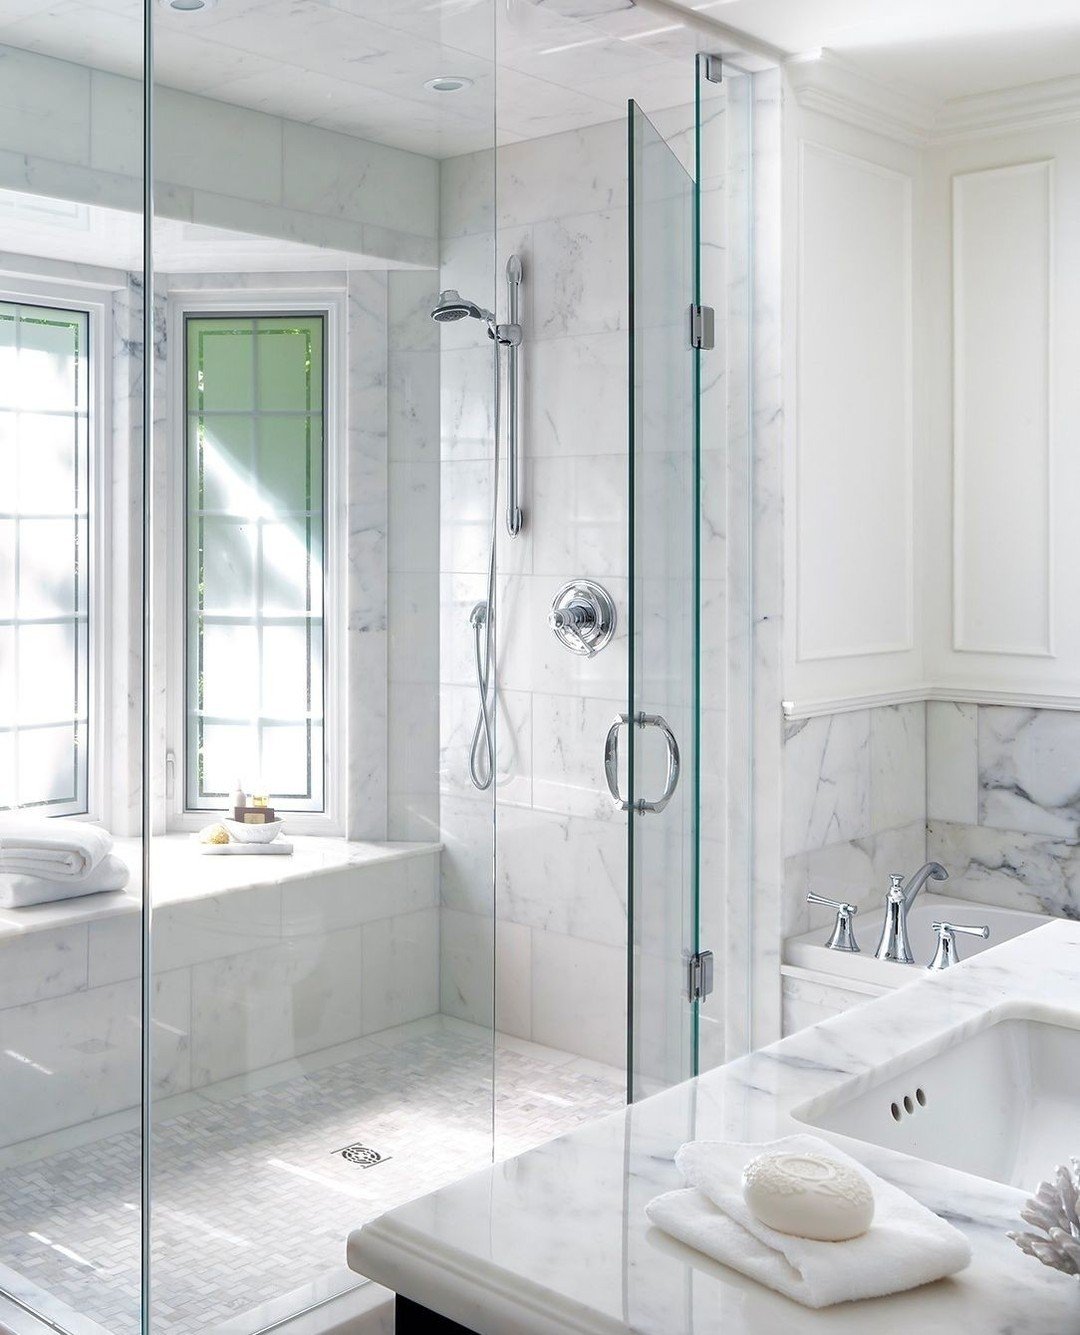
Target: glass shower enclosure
{"x": 290, "y": 298}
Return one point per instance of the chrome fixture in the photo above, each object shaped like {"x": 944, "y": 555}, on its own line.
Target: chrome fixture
{"x": 611, "y": 762}
{"x": 583, "y": 617}
{"x": 843, "y": 934}
{"x": 894, "y": 943}
{"x": 514, "y": 517}
{"x": 448, "y": 83}
{"x": 946, "y": 955}
{"x": 450, "y": 308}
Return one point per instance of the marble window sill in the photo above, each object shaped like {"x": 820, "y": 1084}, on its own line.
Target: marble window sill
{"x": 180, "y": 874}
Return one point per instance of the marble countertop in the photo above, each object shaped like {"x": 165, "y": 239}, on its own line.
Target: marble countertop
{"x": 180, "y": 873}
{"x": 557, "y": 1239}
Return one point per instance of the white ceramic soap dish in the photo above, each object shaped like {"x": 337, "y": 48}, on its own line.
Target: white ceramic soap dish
{"x": 253, "y": 834}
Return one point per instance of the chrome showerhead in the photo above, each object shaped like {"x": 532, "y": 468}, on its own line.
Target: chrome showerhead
{"x": 453, "y": 306}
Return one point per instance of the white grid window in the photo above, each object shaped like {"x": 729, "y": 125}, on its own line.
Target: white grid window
{"x": 44, "y": 557}
{"x": 254, "y": 408}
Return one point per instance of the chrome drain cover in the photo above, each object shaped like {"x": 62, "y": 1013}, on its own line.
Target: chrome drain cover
{"x": 363, "y": 1156}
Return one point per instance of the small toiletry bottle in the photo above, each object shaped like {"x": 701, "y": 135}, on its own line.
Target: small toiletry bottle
{"x": 238, "y": 801}
{"x": 260, "y": 797}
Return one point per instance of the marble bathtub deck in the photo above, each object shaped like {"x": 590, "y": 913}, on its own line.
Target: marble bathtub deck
{"x": 557, "y": 1240}
{"x": 250, "y": 1200}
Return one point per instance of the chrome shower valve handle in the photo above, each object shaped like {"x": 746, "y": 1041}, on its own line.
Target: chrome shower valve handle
{"x": 583, "y": 617}
{"x": 843, "y": 934}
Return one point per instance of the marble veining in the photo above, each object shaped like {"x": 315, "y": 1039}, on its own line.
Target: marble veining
{"x": 558, "y": 1240}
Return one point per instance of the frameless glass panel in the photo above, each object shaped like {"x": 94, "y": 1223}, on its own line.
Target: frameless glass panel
{"x": 318, "y": 640}
{"x": 71, "y": 703}
{"x": 662, "y": 709}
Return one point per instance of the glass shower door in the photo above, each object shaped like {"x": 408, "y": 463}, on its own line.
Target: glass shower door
{"x": 659, "y": 729}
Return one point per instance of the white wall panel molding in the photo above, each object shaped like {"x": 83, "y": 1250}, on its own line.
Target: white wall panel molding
{"x": 853, "y": 441}
{"x": 952, "y": 694}
{"x": 1002, "y": 447}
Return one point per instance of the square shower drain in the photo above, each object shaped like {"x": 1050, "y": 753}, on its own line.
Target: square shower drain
{"x": 363, "y": 1156}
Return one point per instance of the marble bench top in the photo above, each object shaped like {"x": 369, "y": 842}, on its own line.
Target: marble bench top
{"x": 179, "y": 874}
{"x": 557, "y": 1239}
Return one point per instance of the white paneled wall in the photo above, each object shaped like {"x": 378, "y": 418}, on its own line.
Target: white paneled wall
{"x": 851, "y": 580}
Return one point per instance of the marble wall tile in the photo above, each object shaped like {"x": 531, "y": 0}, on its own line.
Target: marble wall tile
{"x": 897, "y": 765}
{"x": 266, "y": 1006}
{"x": 575, "y": 400}
{"x": 826, "y": 781}
{"x": 579, "y": 996}
{"x": 38, "y": 965}
{"x": 349, "y": 897}
{"x": 76, "y": 1057}
{"x": 580, "y": 508}
{"x": 33, "y": 125}
{"x": 579, "y": 284}
{"x": 1009, "y": 868}
{"x": 562, "y": 873}
{"x": 513, "y": 979}
{"x": 568, "y": 754}
{"x": 466, "y": 966}
{"x": 400, "y": 969}
{"x": 467, "y": 864}
{"x": 459, "y": 709}
{"x": 1028, "y": 774}
{"x": 952, "y": 762}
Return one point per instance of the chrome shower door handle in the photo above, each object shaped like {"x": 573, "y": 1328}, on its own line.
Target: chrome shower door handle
{"x": 611, "y": 762}
{"x": 674, "y": 762}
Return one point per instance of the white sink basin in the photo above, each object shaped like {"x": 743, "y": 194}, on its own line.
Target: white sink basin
{"x": 810, "y": 952}
{"x": 1002, "y": 1102}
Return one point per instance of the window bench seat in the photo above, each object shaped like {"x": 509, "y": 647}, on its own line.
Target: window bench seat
{"x": 256, "y": 961}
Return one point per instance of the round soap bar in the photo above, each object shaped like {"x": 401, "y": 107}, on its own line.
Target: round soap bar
{"x": 808, "y": 1196}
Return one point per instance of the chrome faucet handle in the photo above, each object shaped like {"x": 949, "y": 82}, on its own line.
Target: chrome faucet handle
{"x": 843, "y": 934}
{"x": 896, "y": 885}
{"x": 946, "y": 954}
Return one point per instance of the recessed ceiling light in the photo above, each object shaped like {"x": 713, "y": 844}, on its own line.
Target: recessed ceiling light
{"x": 448, "y": 83}
{"x": 188, "y": 6}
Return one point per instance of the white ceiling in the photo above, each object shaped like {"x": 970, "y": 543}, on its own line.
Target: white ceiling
{"x": 359, "y": 66}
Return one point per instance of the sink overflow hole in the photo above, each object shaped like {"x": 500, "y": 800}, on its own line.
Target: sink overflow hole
{"x": 908, "y": 1104}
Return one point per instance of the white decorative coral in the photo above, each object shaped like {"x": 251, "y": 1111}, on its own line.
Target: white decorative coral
{"x": 1055, "y": 1209}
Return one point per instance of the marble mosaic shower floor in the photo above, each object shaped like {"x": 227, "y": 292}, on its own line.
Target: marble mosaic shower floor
{"x": 250, "y": 1198}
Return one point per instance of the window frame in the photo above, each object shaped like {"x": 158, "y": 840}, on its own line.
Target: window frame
{"x": 96, "y": 304}
{"x": 245, "y": 303}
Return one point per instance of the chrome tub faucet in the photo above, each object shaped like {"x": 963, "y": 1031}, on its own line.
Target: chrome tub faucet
{"x": 894, "y": 940}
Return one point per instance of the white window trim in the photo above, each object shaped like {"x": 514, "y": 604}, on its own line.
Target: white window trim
{"x": 96, "y": 302}
{"x": 254, "y": 301}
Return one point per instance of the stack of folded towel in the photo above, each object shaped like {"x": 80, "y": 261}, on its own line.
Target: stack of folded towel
{"x": 906, "y": 1245}
{"x": 45, "y": 860}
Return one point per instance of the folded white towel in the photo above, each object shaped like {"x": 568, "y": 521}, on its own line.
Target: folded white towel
{"x": 19, "y": 891}
{"x": 907, "y": 1244}
{"x": 55, "y": 849}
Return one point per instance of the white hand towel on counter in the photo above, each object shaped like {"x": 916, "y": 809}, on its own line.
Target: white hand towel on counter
{"x": 55, "y": 849}
{"x": 907, "y": 1244}
{"x": 19, "y": 891}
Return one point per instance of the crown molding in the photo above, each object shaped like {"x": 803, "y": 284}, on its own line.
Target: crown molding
{"x": 1055, "y": 102}
{"x": 830, "y": 84}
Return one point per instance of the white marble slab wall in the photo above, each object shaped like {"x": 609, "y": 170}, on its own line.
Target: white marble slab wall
{"x": 68, "y": 133}
{"x": 1004, "y": 804}
{"x": 854, "y": 807}
{"x": 413, "y": 447}
{"x": 560, "y": 892}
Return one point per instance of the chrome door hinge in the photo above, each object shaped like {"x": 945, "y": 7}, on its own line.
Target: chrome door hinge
{"x": 714, "y": 69}
{"x": 702, "y": 327}
{"x": 699, "y": 975}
